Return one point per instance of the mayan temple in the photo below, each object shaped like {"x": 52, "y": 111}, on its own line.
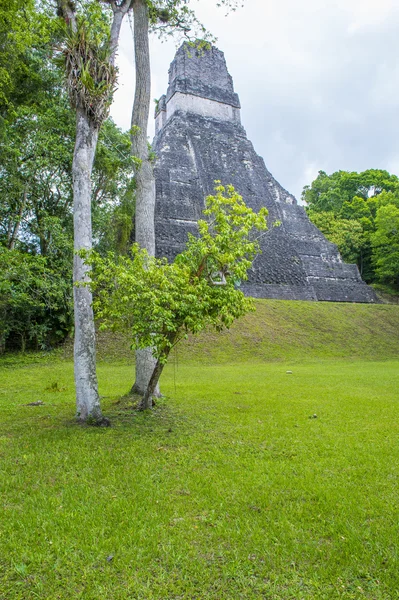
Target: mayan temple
{"x": 199, "y": 139}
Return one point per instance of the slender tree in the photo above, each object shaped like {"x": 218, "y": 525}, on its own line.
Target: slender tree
{"x": 91, "y": 78}
{"x": 145, "y": 182}
{"x": 164, "y": 17}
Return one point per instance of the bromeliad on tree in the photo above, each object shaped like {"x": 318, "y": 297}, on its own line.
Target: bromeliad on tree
{"x": 162, "y": 303}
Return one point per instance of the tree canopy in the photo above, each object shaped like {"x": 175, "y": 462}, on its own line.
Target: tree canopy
{"x": 358, "y": 213}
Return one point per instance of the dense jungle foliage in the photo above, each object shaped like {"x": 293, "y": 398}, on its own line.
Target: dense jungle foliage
{"x": 37, "y": 130}
{"x": 359, "y": 212}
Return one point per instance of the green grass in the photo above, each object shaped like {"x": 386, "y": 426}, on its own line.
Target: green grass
{"x": 245, "y": 482}
{"x": 288, "y": 330}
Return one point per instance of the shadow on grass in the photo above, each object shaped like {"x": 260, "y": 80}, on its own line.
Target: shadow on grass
{"x": 122, "y": 412}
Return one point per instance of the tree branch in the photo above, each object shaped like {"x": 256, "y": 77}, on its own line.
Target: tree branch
{"x": 119, "y": 10}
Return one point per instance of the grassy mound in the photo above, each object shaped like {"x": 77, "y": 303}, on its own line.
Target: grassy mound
{"x": 286, "y": 330}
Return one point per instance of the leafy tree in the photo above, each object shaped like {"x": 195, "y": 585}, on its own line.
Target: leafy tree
{"x": 35, "y": 291}
{"x": 35, "y": 301}
{"x": 327, "y": 193}
{"x": 165, "y": 17}
{"x": 162, "y": 302}
{"x": 344, "y": 206}
{"x": 36, "y": 151}
{"x": 24, "y": 25}
{"x": 35, "y": 178}
{"x": 35, "y": 173}
{"x": 385, "y": 244}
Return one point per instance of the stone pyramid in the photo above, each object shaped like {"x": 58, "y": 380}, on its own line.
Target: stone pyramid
{"x": 199, "y": 139}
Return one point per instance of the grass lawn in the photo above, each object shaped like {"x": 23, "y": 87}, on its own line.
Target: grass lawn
{"x": 270, "y": 470}
{"x": 245, "y": 482}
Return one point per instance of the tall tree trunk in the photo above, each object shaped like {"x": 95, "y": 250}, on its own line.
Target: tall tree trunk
{"x": 145, "y": 182}
{"x": 87, "y": 398}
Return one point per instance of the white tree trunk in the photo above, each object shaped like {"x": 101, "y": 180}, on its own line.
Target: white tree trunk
{"x": 145, "y": 182}
{"x": 145, "y": 365}
{"x": 87, "y": 398}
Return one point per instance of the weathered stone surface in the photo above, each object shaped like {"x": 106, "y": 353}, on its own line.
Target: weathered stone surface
{"x": 201, "y": 73}
{"x": 199, "y": 139}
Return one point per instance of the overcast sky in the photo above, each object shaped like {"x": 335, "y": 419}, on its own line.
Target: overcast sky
{"x": 318, "y": 81}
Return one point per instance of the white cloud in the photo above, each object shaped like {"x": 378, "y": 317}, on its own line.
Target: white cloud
{"x": 366, "y": 14}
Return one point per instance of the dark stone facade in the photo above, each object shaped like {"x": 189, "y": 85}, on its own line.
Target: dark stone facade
{"x": 199, "y": 140}
{"x": 203, "y": 74}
